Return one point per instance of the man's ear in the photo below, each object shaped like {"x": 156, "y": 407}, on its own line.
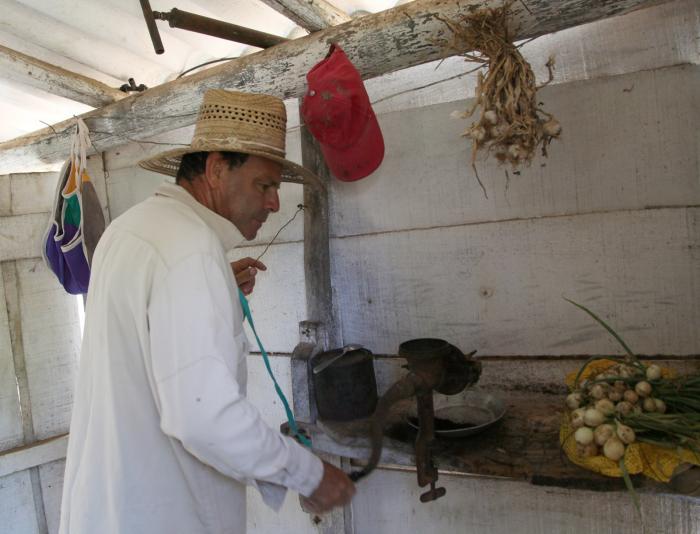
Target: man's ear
{"x": 213, "y": 169}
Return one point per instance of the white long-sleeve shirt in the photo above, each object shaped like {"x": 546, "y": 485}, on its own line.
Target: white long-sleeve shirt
{"x": 162, "y": 438}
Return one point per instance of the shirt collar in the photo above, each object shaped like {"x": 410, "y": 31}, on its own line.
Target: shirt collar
{"x": 224, "y": 229}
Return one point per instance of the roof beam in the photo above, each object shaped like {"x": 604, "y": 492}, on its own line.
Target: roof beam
{"x": 377, "y": 44}
{"x": 25, "y": 69}
{"x": 312, "y": 15}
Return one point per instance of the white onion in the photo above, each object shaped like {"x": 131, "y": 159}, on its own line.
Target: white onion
{"x": 653, "y": 372}
{"x": 630, "y": 396}
{"x": 598, "y": 391}
{"x": 577, "y": 418}
{"x": 593, "y": 417}
{"x": 614, "y": 449}
{"x": 620, "y": 386}
{"x": 623, "y": 407}
{"x": 583, "y": 435}
{"x": 643, "y": 388}
{"x": 605, "y": 406}
{"x": 660, "y": 406}
{"x": 615, "y": 395}
{"x": 573, "y": 400}
{"x": 649, "y": 405}
{"x": 625, "y": 433}
{"x": 603, "y": 433}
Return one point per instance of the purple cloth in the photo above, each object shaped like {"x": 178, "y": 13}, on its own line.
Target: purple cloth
{"x": 63, "y": 248}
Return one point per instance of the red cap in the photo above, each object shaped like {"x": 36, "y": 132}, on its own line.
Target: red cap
{"x": 337, "y": 111}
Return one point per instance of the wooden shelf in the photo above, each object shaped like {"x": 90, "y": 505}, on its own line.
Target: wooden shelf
{"x": 524, "y": 445}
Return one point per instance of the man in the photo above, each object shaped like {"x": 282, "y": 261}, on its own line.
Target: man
{"x": 162, "y": 438}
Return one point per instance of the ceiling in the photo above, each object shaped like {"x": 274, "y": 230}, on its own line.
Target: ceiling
{"x": 108, "y": 41}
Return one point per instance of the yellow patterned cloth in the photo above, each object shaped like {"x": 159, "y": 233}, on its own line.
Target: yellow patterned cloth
{"x": 657, "y": 463}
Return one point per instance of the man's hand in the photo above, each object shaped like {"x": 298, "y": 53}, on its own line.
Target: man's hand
{"x": 245, "y": 271}
{"x": 335, "y": 489}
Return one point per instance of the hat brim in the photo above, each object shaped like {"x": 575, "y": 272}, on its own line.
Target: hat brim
{"x": 348, "y": 164}
{"x": 169, "y": 163}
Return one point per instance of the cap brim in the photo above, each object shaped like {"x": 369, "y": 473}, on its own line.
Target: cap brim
{"x": 169, "y": 163}
{"x": 362, "y": 159}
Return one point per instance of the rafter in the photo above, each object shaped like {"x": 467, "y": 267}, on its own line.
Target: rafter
{"x": 377, "y": 44}
{"x": 25, "y": 69}
{"x": 312, "y": 15}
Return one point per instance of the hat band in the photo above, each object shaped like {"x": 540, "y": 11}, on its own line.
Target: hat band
{"x": 233, "y": 144}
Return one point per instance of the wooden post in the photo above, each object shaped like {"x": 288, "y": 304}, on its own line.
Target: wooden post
{"x": 317, "y": 268}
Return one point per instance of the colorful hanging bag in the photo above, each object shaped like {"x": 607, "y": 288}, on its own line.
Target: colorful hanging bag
{"x": 77, "y": 221}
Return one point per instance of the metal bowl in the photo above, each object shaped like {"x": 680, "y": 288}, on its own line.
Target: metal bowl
{"x": 472, "y": 413}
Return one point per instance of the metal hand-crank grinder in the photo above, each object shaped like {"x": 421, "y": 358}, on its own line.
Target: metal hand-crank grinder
{"x": 434, "y": 365}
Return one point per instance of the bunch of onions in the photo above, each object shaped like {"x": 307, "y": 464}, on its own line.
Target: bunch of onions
{"x": 632, "y": 401}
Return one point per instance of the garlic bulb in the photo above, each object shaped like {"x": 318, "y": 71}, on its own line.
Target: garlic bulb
{"x": 478, "y": 133}
{"x": 552, "y": 127}
{"x": 491, "y": 117}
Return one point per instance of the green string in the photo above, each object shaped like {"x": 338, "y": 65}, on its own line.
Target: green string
{"x": 290, "y": 416}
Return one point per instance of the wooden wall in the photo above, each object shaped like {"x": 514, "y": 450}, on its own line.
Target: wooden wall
{"x": 39, "y": 349}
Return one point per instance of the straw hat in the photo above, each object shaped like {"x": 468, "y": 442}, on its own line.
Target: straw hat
{"x": 237, "y": 122}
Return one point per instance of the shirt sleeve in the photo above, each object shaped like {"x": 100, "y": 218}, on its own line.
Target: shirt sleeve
{"x": 198, "y": 357}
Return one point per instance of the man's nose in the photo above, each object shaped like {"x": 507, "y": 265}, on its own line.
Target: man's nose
{"x": 272, "y": 200}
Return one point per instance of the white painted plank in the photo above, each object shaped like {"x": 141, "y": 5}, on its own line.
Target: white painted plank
{"x": 51, "y": 335}
{"x": 5, "y": 196}
{"x": 10, "y": 417}
{"x": 51, "y": 488}
{"x": 20, "y": 235}
{"x": 646, "y": 39}
{"x": 497, "y": 287}
{"x": 487, "y": 506}
{"x": 33, "y": 455}
{"x": 33, "y": 192}
{"x": 626, "y": 145}
{"x": 128, "y": 186}
{"x": 17, "y": 505}
{"x": 278, "y": 301}
{"x": 261, "y": 393}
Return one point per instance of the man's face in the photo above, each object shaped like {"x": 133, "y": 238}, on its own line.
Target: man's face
{"x": 247, "y": 194}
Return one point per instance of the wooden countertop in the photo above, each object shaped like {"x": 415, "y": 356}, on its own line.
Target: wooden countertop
{"x": 524, "y": 445}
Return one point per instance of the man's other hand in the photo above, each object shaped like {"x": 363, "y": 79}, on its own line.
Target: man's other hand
{"x": 245, "y": 271}
{"x": 335, "y": 489}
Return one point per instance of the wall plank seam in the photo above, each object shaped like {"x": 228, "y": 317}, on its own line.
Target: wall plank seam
{"x": 515, "y": 219}
{"x": 14, "y": 313}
